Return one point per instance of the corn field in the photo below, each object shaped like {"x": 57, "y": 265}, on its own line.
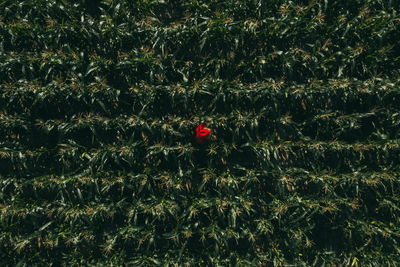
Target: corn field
{"x": 99, "y": 104}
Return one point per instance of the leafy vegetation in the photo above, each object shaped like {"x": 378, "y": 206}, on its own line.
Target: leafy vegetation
{"x": 100, "y": 100}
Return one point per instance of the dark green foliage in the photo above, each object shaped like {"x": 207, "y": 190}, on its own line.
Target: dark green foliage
{"x": 99, "y": 102}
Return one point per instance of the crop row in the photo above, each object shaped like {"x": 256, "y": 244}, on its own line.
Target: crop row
{"x": 110, "y": 187}
{"x": 273, "y": 99}
{"x": 90, "y": 130}
{"x": 70, "y": 157}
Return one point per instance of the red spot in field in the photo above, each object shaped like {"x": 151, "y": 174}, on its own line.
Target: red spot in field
{"x": 202, "y": 134}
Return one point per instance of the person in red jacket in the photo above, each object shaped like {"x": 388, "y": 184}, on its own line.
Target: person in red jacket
{"x": 202, "y": 134}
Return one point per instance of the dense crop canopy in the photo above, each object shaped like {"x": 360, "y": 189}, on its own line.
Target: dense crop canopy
{"x": 99, "y": 106}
